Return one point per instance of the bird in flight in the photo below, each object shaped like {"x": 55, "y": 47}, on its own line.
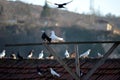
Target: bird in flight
{"x": 62, "y": 4}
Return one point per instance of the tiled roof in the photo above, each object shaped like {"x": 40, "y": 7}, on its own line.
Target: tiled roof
{"x": 26, "y": 69}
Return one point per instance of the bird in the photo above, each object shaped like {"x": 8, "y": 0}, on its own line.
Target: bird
{"x": 45, "y": 37}
{"x": 85, "y": 54}
{"x": 2, "y": 54}
{"x": 39, "y": 71}
{"x": 62, "y": 4}
{"x": 55, "y": 38}
{"x": 13, "y": 56}
{"x": 67, "y": 55}
{"x": 41, "y": 55}
{"x": 54, "y": 73}
{"x": 19, "y": 56}
{"x": 50, "y": 57}
{"x": 81, "y": 73}
{"x": 99, "y": 55}
{"x": 73, "y": 54}
{"x": 30, "y": 54}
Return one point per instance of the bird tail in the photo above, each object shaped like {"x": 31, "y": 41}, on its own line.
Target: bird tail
{"x": 58, "y": 75}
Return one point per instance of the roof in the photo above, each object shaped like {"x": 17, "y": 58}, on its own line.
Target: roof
{"x": 26, "y": 69}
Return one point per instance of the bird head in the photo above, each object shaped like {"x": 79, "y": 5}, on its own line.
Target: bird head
{"x": 4, "y": 51}
{"x": 42, "y": 51}
{"x": 42, "y": 31}
{"x": 89, "y": 50}
{"x": 52, "y": 32}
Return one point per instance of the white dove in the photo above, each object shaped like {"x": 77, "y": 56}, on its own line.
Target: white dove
{"x": 54, "y": 73}
{"x": 2, "y": 54}
{"x": 67, "y": 55}
{"x": 85, "y": 54}
{"x": 99, "y": 55}
{"x": 41, "y": 55}
{"x": 55, "y": 38}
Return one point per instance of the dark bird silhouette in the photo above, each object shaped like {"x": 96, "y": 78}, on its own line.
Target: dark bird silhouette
{"x": 45, "y": 37}
{"x": 62, "y": 5}
{"x": 19, "y": 56}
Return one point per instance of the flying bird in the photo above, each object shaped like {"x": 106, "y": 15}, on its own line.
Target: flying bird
{"x": 2, "y": 54}
{"x": 39, "y": 71}
{"x": 54, "y": 73}
{"x": 41, "y": 55}
{"x": 45, "y": 37}
{"x": 62, "y": 4}
{"x": 55, "y": 38}
{"x": 67, "y": 55}
{"x": 30, "y": 54}
{"x": 85, "y": 54}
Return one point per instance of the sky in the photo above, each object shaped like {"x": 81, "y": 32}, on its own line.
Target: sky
{"x": 83, "y": 6}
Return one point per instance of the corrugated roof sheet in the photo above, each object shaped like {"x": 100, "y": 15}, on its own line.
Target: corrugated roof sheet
{"x": 26, "y": 69}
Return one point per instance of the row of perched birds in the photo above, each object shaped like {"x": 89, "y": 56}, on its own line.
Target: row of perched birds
{"x": 29, "y": 56}
{"x": 52, "y": 38}
{"x": 41, "y": 55}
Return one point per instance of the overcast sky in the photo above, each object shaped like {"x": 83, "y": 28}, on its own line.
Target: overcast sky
{"x": 83, "y": 6}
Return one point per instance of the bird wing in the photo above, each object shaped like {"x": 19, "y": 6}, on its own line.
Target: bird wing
{"x": 67, "y": 2}
{"x": 60, "y": 4}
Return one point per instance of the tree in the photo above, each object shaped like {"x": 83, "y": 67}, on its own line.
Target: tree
{"x": 110, "y": 15}
{"x": 1, "y": 9}
{"x": 46, "y": 11}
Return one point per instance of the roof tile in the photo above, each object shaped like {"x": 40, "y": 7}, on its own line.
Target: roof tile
{"x": 26, "y": 69}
